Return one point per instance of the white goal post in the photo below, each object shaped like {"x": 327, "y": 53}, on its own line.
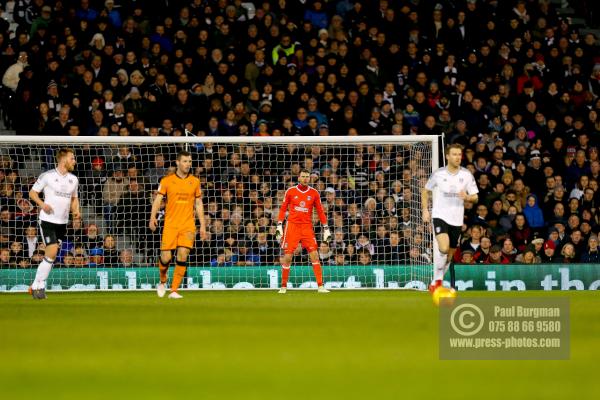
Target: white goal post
{"x": 370, "y": 187}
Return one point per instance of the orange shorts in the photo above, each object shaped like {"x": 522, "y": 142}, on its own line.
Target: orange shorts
{"x": 174, "y": 238}
{"x": 298, "y": 233}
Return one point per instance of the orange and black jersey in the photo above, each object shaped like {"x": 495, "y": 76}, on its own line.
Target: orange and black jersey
{"x": 181, "y": 194}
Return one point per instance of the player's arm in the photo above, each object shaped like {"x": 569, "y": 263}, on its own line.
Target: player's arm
{"x": 425, "y": 195}
{"x": 281, "y": 216}
{"x": 471, "y": 194}
{"x": 473, "y": 198}
{"x": 35, "y": 197}
{"x": 200, "y": 212}
{"x": 34, "y": 194}
{"x": 155, "y": 207}
{"x": 75, "y": 210}
{"x": 323, "y": 218}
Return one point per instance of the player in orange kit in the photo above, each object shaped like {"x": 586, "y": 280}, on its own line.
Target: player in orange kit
{"x": 183, "y": 194}
{"x": 300, "y": 200}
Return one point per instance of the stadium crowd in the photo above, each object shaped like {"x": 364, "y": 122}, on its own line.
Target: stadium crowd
{"x": 511, "y": 81}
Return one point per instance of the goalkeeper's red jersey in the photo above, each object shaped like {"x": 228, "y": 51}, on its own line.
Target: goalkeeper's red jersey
{"x": 300, "y": 203}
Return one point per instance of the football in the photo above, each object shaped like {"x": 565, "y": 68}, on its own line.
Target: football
{"x": 444, "y": 293}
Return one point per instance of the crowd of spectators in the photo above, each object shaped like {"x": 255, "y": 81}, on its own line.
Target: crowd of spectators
{"x": 511, "y": 81}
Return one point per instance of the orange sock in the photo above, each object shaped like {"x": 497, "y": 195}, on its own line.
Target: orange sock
{"x": 162, "y": 270}
{"x": 178, "y": 275}
{"x": 285, "y": 273}
{"x": 318, "y": 272}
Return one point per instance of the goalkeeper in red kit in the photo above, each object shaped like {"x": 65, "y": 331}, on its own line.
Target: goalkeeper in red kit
{"x": 300, "y": 200}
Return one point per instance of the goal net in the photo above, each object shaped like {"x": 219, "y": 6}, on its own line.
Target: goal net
{"x": 370, "y": 188}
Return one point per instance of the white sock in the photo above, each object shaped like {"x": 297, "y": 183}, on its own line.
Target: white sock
{"x": 446, "y": 266}
{"x": 439, "y": 262}
{"x": 42, "y": 273}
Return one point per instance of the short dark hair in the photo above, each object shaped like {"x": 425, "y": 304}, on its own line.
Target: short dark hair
{"x": 183, "y": 153}
{"x": 304, "y": 171}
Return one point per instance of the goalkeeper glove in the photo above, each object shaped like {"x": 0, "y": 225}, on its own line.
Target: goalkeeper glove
{"x": 279, "y": 232}
{"x": 326, "y": 234}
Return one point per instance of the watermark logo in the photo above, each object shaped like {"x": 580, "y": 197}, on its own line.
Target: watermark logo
{"x": 505, "y": 329}
{"x": 467, "y": 319}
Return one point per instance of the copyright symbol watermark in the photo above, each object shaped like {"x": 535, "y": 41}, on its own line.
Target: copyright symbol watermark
{"x": 467, "y": 319}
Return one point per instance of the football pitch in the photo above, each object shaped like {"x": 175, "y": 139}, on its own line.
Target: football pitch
{"x": 261, "y": 345}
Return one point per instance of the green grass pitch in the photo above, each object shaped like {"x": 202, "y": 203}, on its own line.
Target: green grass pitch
{"x": 261, "y": 345}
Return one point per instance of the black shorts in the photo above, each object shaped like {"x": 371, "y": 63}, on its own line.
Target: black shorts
{"x": 52, "y": 233}
{"x": 454, "y": 232}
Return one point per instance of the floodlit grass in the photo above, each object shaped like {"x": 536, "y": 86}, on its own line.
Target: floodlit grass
{"x": 261, "y": 345}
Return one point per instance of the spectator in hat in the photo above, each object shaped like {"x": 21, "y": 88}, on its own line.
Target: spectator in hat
{"x": 363, "y": 243}
{"x": 510, "y": 199}
{"x": 316, "y": 15}
{"x": 42, "y": 21}
{"x": 557, "y": 233}
{"x": 96, "y": 258}
{"x": 135, "y": 103}
{"x": 466, "y": 256}
{"x": 85, "y": 12}
{"x": 285, "y": 48}
{"x": 533, "y": 213}
{"x": 92, "y": 181}
{"x": 538, "y": 245}
{"x": 53, "y": 98}
{"x": 262, "y": 128}
{"x": 113, "y": 14}
{"x": 496, "y": 256}
{"x": 534, "y": 175}
{"x": 549, "y": 248}
{"x": 528, "y": 257}
{"x": 519, "y": 140}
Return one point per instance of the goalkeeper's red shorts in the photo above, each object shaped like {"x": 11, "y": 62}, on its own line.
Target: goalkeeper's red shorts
{"x": 298, "y": 233}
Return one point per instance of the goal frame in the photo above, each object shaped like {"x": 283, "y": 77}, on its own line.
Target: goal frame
{"x": 30, "y": 140}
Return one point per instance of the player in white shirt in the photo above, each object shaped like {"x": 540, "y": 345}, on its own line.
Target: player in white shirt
{"x": 59, "y": 186}
{"x": 451, "y": 186}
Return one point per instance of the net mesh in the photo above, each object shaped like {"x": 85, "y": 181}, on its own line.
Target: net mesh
{"x": 371, "y": 194}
